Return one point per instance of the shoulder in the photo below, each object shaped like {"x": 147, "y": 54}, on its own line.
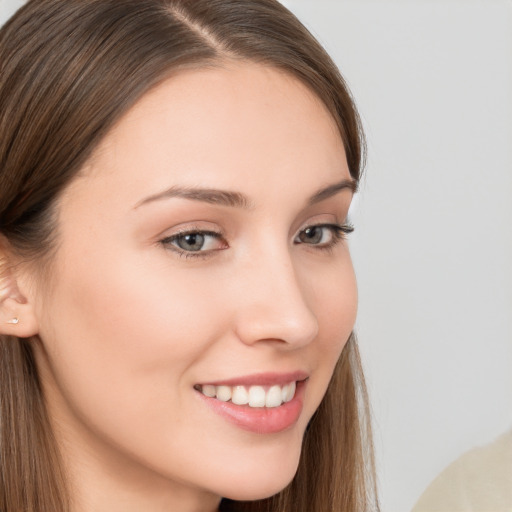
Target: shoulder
{"x": 479, "y": 481}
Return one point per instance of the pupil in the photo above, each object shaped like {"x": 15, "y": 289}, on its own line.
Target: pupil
{"x": 313, "y": 235}
{"x": 192, "y": 242}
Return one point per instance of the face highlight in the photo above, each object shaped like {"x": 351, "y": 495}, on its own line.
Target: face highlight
{"x": 203, "y": 288}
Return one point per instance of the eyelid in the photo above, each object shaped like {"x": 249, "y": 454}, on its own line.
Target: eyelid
{"x": 335, "y": 218}
{"x": 345, "y": 227}
{"x": 167, "y": 241}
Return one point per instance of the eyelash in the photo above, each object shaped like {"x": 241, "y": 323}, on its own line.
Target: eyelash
{"x": 339, "y": 232}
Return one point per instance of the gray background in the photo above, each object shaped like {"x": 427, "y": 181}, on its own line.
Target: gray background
{"x": 433, "y": 242}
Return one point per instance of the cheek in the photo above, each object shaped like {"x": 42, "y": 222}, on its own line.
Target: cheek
{"x": 333, "y": 294}
{"x": 333, "y": 297}
{"x": 119, "y": 352}
{"x": 118, "y": 333}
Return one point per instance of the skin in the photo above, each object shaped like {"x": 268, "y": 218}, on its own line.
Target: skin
{"x": 129, "y": 325}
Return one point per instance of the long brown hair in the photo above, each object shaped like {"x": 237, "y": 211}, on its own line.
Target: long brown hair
{"x": 69, "y": 69}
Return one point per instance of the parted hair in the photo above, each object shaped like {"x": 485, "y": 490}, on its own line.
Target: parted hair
{"x": 69, "y": 70}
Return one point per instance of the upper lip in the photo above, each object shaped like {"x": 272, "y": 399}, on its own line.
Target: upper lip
{"x": 261, "y": 379}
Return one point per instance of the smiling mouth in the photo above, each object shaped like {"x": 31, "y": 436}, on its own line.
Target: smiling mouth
{"x": 252, "y": 396}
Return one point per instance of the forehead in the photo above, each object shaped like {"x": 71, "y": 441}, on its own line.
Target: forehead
{"x": 229, "y": 126}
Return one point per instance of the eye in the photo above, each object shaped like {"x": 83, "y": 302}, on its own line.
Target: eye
{"x": 190, "y": 242}
{"x": 323, "y": 235}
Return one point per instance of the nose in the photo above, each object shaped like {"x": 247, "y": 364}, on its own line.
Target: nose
{"x": 272, "y": 306}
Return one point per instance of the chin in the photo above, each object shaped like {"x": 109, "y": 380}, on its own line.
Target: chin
{"x": 253, "y": 491}
{"x": 262, "y": 482}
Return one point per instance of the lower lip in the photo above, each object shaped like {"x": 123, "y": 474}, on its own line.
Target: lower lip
{"x": 261, "y": 420}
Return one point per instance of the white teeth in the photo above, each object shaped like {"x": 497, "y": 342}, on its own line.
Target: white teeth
{"x": 284, "y": 392}
{"x": 288, "y": 392}
{"x": 291, "y": 392}
{"x": 254, "y": 396}
{"x": 223, "y": 393}
{"x": 240, "y": 396}
{"x": 209, "y": 390}
{"x": 274, "y": 397}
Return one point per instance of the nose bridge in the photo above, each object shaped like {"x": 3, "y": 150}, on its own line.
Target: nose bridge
{"x": 274, "y": 304}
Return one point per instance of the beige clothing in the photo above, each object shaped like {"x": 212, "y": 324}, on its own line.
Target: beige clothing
{"x": 479, "y": 481}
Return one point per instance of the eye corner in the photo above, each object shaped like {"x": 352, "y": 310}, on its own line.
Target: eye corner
{"x": 347, "y": 228}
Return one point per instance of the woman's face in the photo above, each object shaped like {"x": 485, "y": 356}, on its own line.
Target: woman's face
{"x": 199, "y": 258}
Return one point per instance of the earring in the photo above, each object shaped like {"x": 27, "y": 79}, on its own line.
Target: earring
{"x": 13, "y": 321}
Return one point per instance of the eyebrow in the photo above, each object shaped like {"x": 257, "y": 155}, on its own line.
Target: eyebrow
{"x": 332, "y": 190}
{"x": 237, "y": 199}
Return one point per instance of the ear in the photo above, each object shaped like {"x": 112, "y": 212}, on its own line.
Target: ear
{"x": 17, "y": 314}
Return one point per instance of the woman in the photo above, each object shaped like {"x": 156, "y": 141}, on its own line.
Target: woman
{"x": 177, "y": 294}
